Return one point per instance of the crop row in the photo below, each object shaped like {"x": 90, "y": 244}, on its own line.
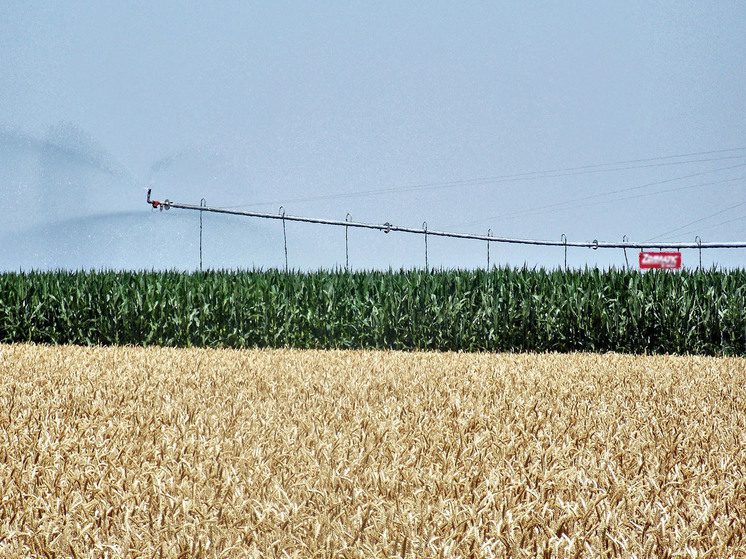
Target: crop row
{"x": 497, "y": 310}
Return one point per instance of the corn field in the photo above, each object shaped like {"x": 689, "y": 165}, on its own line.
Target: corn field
{"x": 157, "y": 452}
{"x": 496, "y": 310}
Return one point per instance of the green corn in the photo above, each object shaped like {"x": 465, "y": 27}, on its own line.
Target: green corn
{"x": 699, "y": 312}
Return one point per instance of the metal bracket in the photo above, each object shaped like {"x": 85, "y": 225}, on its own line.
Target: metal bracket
{"x": 281, "y": 211}
{"x": 489, "y": 234}
{"x": 348, "y": 218}
{"x": 154, "y": 203}
{"x": 563, "y": 238}
{"x": 202, "y": 204}
{"x": 424, "y": 228}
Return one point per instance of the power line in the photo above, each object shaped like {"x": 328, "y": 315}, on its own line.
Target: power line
{"x": 715, "y": 225}
{"x": 739, "y": 218}
{"x": 701, "y": 219}
{"x": 524, "y": 176}
{"x": 539, "y": 211}
{"x": 565, "y": 204}
{"x": 626, "y": 198}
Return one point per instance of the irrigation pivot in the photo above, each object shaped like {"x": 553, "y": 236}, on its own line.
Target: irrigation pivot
{"x": 425, "y": 231}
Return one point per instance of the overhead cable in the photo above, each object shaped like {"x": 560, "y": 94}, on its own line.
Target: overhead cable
{"x": 701, "y": 219}
{"x": 524, "y": 176}
{"x": 572, "y": 201}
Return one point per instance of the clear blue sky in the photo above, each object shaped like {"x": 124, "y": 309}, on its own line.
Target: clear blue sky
{"x": 279, "y": 102}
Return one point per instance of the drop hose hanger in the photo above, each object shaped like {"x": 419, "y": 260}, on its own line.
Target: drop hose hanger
{"x": 165, "y": 205}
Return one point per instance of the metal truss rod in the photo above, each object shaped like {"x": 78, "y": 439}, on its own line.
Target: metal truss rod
{"x": 388, "y": 228}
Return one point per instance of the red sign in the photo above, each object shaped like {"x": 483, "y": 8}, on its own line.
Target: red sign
{"x": 660, "y": 260}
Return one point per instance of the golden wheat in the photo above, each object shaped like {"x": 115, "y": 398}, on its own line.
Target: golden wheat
{"x": 129, "y": 452}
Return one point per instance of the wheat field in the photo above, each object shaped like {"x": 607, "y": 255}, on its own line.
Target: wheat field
{"x": 131, "y": 452}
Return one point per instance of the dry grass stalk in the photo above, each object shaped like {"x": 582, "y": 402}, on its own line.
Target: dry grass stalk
{"x": 128, "y": 452}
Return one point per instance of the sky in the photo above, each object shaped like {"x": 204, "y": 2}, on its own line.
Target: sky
{"x": 433, "y": 106}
